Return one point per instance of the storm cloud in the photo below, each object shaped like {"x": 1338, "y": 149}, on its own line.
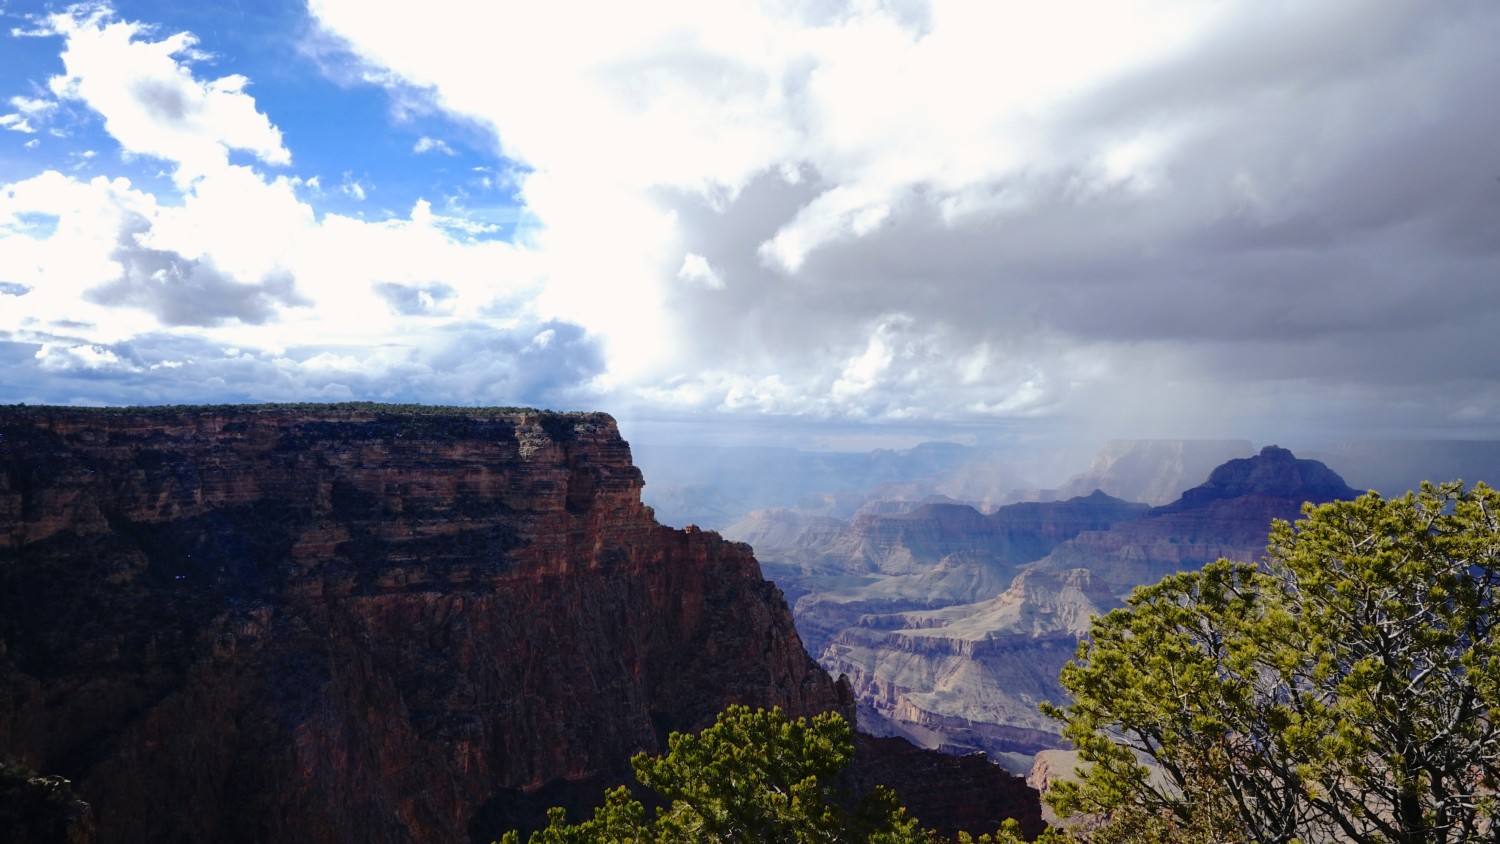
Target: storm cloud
{"x": 190, "y": 291}
{"x": 1250, "y": 217}
{"x": 542, "y": 364}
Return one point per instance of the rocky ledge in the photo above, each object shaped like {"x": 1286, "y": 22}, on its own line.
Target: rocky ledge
{"x": 341, "y": 623}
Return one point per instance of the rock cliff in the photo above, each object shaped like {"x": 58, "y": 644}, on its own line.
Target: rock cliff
{"x": 935, "y": 555}
{"x": 356, "y": 623}
{"x": 42, "y": 810}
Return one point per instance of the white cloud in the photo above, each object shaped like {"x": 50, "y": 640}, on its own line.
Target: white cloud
{"x": 352, "y": 188}
{"x": 862, "y": 373}
{"x": 1036, "y": 188}
{"x": 60, "y": 265}
{"x": 1153, "y": 211}
{"x": 838, "y": 214}
{"x": 84, "y": 356}
{"x": 27, "y": 109}
{"x": 151, "y": 102}
{"x": 695, "y": 268}
{"x": 425, "y": 144}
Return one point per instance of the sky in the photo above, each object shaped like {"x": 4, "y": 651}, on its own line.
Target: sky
{"x": 817, "y": 223}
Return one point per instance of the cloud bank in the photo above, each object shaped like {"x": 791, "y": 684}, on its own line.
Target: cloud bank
{"x": 1150, "y": 218}
{"x": 230, "y": 285}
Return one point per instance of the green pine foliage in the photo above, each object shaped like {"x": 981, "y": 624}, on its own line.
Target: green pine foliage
{"x": 754, "y": 776}
{"x": 1346, "y": 690}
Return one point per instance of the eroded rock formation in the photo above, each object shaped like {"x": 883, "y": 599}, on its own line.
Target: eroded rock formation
{"x": 358, "y": 624}
{"x": 969, "y": 673}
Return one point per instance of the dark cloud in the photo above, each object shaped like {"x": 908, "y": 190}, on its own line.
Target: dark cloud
{"x": 1291, "y": 220}
{"x": 541, "y": 364}
{"x": 14, "y": 355}
{"x": 1318, "y": 238}
{"x": 189, "y": 291}
{"x": 165, "y": 100}
{"x": 758, "y": 307}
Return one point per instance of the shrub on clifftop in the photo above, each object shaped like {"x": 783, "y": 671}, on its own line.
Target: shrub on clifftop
{"x": 754, "y": 776}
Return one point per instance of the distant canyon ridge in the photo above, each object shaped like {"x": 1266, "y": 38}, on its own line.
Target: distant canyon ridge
{"x": 952, "y": 619}
{"x": 716, "y": 486}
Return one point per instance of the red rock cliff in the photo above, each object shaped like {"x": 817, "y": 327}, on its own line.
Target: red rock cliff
{"x": 342, "y": 624}
{"x": 356, "y": 623}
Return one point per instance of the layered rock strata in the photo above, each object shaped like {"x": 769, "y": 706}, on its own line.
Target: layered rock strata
{"x": 357, "y": 623}
{"x": 970, "y": 674}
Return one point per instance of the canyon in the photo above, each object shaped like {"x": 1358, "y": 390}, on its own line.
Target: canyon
{"x": 952, "y": 625}
{"x": 357, "y": 622}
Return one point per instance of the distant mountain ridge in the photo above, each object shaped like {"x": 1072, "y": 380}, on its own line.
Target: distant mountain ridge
{"x": 1274, "y": 473}
{"x": 970, "y": 673}
{"x": 717, "y": 486}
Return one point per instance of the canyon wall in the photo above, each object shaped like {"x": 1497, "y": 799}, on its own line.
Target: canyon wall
{"x": 346, "y": 623}
{"x": 950, "y": 659}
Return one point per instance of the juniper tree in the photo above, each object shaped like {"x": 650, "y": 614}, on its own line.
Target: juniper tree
{"x": 1346, "y": 689}
{"x": 754, "y": 776}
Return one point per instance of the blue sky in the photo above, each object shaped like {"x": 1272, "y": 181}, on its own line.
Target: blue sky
{"x": 345, "y": 130}
{"x": 871, "y": 221}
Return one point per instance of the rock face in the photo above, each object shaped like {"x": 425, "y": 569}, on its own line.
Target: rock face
{"x": 882, "y": 599}
{"x": 1274, "y": 474}
{"x": 42, "y": 810}
{"x": 936, "y": 555}
{"x": 357, "y": 624}
{"x": 963, "y": 793}
{"x": 968, "y": 674}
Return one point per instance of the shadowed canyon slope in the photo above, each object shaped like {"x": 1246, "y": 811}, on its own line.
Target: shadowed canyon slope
{"x": 952, "y": 636}
{"x": 352, "y": 623}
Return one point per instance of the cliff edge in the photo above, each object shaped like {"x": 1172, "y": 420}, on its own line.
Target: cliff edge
{"x": 367, "y": 623}
{"x": 355, "y": 623}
